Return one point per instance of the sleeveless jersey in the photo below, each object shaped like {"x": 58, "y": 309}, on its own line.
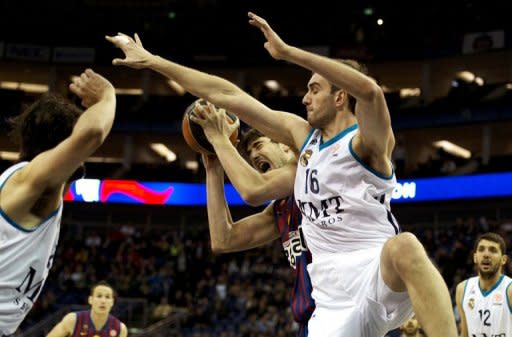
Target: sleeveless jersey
{"x": 26, "y": 256}
{"x": 288, "y": 219}
{"x": 488, "y": 313}
{"x": 345, "y": 203}
{"x": 84, "y": 327}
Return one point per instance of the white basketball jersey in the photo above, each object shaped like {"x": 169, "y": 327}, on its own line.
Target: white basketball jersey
{"x": 488, "y": 313}
{"x": 344, "y": 202}
{"x": 26, "y": 257}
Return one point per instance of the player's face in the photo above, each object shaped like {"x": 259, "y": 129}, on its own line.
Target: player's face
{"x": 319, "y": 102}
{"x": 266, "y": 155}
{"x": 101, "y": 300}
{"x": 411, "y": 327}
{"x": 488, "y": 258}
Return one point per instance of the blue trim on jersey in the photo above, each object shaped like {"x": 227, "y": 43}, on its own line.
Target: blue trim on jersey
{"x": 485, "y": 293}
{"x": 464, "y": 292}
{"x": 26, "y": 230}
{"x": 337, "y": 137}
{"x": 508, "y": 300}
{"x": 372, "y": 170}
{"x": 308, "y": 137}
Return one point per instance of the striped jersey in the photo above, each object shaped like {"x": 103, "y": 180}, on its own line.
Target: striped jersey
{"x": 84, "y": 327}
{"x": 288, "y": 219}
{"x": 488, "y": 313}
{"x": 345, "y": 204}
{"x": 26, "y": 256}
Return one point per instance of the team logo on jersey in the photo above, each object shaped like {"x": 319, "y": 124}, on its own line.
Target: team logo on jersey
{"x": 113, "y": 333}
{"x": 471, "y": 303}
{"x": 498, "y": 298}
{"x": 304, "y": 158}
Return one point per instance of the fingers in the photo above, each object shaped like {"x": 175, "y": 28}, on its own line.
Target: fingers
{"x": 197, "y": 120}
{"x": 137, "y": 39}
{"x": 118, "y": 62}
{"x": 119, "y": 40}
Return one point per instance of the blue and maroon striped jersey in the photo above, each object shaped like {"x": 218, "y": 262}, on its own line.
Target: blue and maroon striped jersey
{"x": 84, "y": 326}
{"x": 288, "y": 219}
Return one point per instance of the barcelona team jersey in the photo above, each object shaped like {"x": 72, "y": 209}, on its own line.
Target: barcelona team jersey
{"x": 288, "y": 218}
{"x": 84, "y": 327}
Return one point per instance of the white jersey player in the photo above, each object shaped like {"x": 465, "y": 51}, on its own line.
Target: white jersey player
{"x": 485, "y": 301}
{"x": 364, "y": 275}
{"x": 55, "y": 138}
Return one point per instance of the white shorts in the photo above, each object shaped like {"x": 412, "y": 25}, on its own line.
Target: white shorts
{"x": 351, "y": 297}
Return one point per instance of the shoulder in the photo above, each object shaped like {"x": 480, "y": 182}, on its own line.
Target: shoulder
{"x": 69, "y": 321}
{"x": 124, "y": 330}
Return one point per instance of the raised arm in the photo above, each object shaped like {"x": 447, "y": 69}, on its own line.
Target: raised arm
{"x": 226, "y": 235}
{"x": 65, "y": 327}
{"x": 281, "y": 126}
{"x": 459, "y": 293}
{"x": 371, "y": 110}
{"x": 254, "y": 187}
{"x": 52, "y": 168}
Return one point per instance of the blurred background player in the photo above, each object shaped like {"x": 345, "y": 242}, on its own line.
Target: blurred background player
{"x": 485, "y": 301}
{"x": 55, "y": 139}
{"x": 272, "y": 163}
{"x": 95, "y": 322}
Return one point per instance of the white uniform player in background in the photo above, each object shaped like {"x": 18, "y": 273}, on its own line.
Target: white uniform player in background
{"x": 365, "y": 274}
{"x": 55, "y": 139}
{"x": 485, "y": 301}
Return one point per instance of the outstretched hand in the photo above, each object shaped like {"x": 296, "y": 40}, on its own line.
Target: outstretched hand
{"x": 214, "y": 121}
{"x": 91, "y": 87}
{"x": 274, "y": 45}
{"x": 135, "y": 55}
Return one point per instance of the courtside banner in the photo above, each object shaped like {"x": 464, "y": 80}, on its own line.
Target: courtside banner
{"x": 188, "y": 194}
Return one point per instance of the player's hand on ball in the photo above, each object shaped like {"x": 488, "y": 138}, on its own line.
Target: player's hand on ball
{"x": 214, "y": 122}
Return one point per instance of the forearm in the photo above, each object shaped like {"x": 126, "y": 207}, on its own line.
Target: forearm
{"x": 246, "y": 180}
{"x": 225, "y": 94}
{"x": 98, "y": 118}
{"x": 196, "y": 82}
{"x": 340, "y": 75}
{"x": 219, "y": 217}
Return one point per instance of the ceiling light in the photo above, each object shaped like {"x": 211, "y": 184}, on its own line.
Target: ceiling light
{"x": 453, "y": 149}
{"x": 163, "y": 151}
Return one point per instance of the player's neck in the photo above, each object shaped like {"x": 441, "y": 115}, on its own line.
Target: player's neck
{"x": 488, "y": 283}
{"x": 343, "y": 120}
{"x": 99, "y": 320}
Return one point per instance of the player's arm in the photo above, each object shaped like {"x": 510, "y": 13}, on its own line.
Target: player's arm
{"x": 459, "y": 293}
{"x": 253, "y": 186}
{"x": 51, "y": 168}
{"x": 280, "y": 126}
{"x": 371, "y": 109}
{"x": 226, "y": 235}
{"x": 65, "y": 327}
{"x": 124, "y": 330}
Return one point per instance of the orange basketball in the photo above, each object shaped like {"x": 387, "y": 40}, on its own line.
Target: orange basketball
{"x": 194, "y": 134}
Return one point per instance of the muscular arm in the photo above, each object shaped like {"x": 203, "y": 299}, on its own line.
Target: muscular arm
{"x": 65, "y": 327}
{"x": 50, "y": 169}
{"x": 280, "y": 126}
{"x": 226, "y": 235}
{"x": 254, "y": 187}
{"x": 458, "y": 298}
{"x": 372, "y": 114}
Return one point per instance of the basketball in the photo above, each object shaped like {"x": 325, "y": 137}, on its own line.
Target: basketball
{"x": 194, "y": 134}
